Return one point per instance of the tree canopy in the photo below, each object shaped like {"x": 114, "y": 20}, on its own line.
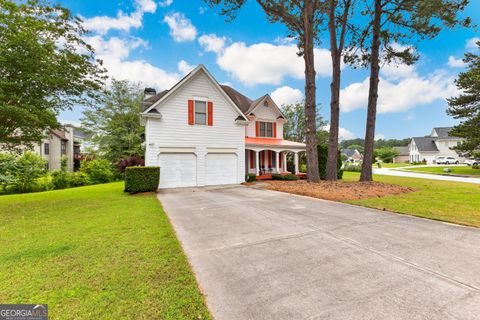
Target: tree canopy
{"x": 115, "y": 122}
{"x": 45, "y": 67}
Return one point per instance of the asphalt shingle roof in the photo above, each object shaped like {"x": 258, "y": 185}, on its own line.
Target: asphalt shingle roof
{"x": 444, "y": 132}
{"x": 425, "y": 144}
{"x": 402, "y": 151}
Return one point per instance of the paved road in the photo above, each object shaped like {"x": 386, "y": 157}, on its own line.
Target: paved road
{"x": 261, "y": 254}
{"x": 402, "y": 173}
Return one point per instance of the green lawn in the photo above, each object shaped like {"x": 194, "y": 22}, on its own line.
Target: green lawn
{"x": 95, "y": 253}
{"x": 440, "y": 200}
{"x": 466, "y": 170}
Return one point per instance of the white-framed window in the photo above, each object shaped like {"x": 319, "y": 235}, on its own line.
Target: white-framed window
{"x": 266, "y": 129}
{"x": 200, "y": 109}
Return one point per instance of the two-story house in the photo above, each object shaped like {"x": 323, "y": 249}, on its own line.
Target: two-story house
{"x": 438, "y": 144}
{"x": 202, "y": 133}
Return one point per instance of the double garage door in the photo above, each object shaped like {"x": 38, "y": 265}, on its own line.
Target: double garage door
{"x": 184, "y": 169}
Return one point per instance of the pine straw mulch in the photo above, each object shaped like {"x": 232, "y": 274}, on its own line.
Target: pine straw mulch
{"x": 338, "y": 190}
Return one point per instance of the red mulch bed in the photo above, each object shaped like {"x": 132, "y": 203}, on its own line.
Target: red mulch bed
{"x": 338, "y": 190}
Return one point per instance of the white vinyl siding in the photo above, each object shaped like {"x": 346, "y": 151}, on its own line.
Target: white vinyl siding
{"x": 172, "y": 130}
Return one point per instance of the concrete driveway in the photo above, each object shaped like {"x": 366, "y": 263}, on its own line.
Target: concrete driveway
{"x": 261, "y": 254}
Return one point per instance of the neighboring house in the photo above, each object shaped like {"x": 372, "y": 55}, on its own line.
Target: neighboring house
{"x": 353, "y": 155}
{"x": 438, "y": 144}
{"x": 69, "y": 141}
{"x": 403, "y": 155}
{"x": 202, "y": 133}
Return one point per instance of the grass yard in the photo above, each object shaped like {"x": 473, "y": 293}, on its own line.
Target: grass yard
{"x": 95, "y": 253}
{"x": 465, "y": 170}
{"x": 439, "y": 200}
{"x": 392, "y": 165}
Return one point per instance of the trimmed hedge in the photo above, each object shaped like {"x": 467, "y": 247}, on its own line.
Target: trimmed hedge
{"x": 141, "y": 179}
{"x": 290, "y": 177}
{"x": 277, "y": 176}
{"x": 251, "y": 177}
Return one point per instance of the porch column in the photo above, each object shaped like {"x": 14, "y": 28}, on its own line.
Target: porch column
{"x": 284, "y": 162}
{"x": 257, "y": 160}
{"x": 296, "y": 162}
{"x": 277, "y": 160}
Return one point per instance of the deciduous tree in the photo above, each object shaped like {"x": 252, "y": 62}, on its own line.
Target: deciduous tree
{"x": 45, "y": 67}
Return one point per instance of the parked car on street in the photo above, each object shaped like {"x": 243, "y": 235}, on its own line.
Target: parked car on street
{"x": 471, "y": 162}
{"x": 447, "y": 160}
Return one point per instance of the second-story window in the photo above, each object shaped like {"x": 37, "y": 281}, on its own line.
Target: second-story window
{"x": 46, "y": 148}
{"x": 64, "y": 147}
{"x": 201, "y": 112}
{"x": 266, "y": 129}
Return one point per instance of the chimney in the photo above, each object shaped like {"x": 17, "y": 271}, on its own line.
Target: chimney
{"x": 149, "y": 92}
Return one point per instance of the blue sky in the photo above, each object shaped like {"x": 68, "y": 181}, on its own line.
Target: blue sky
{"x": 157, "y": 41}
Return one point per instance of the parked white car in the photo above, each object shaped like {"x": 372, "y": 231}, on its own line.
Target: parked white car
{"x": 447, "y": 160}
{"x": 471, "y": 162}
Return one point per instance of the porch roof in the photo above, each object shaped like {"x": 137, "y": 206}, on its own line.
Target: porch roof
{"x": 272, "y": 142}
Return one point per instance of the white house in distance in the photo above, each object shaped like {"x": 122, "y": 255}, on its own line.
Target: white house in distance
{"x": 438, "y": 144}
{"x": 202, "y": 133}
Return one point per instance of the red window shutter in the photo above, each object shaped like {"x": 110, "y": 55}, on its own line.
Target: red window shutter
{"x": 210, "y": 113}
{"x": 190, "y": 112}
{"x": 257, "y": 128}
{"x": 274, "y": 129}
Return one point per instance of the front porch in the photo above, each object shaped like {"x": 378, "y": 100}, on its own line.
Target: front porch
{"x": 264, "y": 156}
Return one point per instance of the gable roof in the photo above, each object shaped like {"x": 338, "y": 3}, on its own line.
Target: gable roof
{"x": 444, "y": 132}
{"x": 349, "y": 152}
{"x": 403, "y": 151}
{"x": 242, "y": 102}
{"x": 60, "y": 134}
{"x": 425, "y": 144}
{"x": 166, "y": 93}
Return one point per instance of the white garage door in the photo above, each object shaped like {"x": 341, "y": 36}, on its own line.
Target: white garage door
{"x": 178, "y": 170}
{"x": 221, "y": 168}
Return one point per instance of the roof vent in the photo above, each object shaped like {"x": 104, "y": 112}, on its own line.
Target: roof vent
{"x": 149, "y": 92}
{"x": 265, "y": 103}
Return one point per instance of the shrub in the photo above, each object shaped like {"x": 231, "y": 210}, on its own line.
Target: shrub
{"x": 476, "y": 166}
{"x": 290, "y": 177}
{"x": 251, "y": 177}
{"x": 142, "y": 179}
{"x": 303, "y": 168}
{"x": 98, "y": 171}
{"x": 60, "y": 179}
{"x": 7, "y": 170}
{"x": 44, "y": 183}
{"x": 352, "y": 167}
{"x": 322, "y": 151}
{"x": 78, "y": 179}
{"x": 130, "y": 162}
{"x": 277, "y": 176}
{"x": 28, "y": 168}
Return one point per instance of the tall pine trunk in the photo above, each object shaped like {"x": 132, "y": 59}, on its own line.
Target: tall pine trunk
{"x": 334, "y": 96}
{"x": 310, "y": 99}
{"x": 366, "y": 174}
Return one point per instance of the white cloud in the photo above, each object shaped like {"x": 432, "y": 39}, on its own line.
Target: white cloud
{"x": 165, "y": 3}
{"x": 455, "y": 63}
{"x": 181, "y": 28}
{"x": 184, "y": 67}
{"x": 379, "y": 136}
{"x": 472, "y": 43}
{"x": 286, "y": 95}
{"x": 124, "y": 22}
{"x": 343, "y": 134}
{"x": 265, "y": 63}
{"x": 397, "y": 71}
{"x": 212, "y": 43}
{"x": 401, "y": 95}
{"x": 114, "y": 53}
